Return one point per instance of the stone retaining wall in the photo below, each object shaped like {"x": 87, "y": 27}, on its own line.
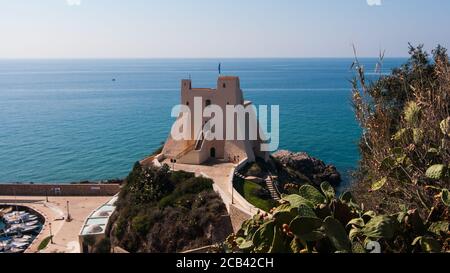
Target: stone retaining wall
{"x": 59, "y": 189}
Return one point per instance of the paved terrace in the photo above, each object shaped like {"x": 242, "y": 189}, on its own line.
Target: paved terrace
{"x": 65, "y": 234}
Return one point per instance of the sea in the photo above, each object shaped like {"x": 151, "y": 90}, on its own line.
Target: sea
{"x": 64, "y": 121}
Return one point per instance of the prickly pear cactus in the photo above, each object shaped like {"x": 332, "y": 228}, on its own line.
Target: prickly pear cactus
{"x": 380, "y": 227}
{"x": 337, "y": 234}
{"x": 412, "y": 114}
{"x": 312, "y": 194}
{"x": 445, "y": 126}
{"x": 316, "y": 221}
{"x": 436, "y": 171}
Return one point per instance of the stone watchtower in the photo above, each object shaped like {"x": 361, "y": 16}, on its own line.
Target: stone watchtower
{"x": 199, "y": 150}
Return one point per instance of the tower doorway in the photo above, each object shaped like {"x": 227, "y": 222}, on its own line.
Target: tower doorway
{"x": 212, "y": 153}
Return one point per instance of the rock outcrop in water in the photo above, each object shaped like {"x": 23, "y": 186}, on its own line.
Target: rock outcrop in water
{"x": 314, "y": 170}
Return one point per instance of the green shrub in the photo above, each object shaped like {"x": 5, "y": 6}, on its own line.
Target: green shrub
{"x": 141, "y": 224}
{"x": 120, "y": 227}
{"x": 180, "y": 176}
{"x": 186, "y": 190}
{"x": 254, "y": 170}
{"x": 145, "y": 185}
{"x": 194, "y": 185}
{"x": 168, "y": 200}
{"x": 43, "y": 245}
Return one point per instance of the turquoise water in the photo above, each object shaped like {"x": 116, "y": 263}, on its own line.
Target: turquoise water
{"x": 66, "y": 120}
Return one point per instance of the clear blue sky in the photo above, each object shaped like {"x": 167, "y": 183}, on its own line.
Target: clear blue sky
{"x": 218, "y": 28}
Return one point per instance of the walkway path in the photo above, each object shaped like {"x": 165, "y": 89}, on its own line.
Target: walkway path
{"x": 65, "y": 233}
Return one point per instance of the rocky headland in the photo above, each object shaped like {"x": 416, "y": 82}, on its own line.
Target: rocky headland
{"x": 302, "y": 168}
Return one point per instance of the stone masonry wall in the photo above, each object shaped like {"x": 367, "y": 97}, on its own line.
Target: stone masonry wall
{"x": 59, "y": 190}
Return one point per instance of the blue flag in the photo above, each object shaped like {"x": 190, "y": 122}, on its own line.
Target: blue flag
{"x": 220, "y": 68}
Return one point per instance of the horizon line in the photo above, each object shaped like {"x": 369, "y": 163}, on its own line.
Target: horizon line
{"x": 193, "y": 58}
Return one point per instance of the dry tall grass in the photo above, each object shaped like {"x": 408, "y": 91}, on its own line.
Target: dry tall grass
{"x": 405, "y": 118}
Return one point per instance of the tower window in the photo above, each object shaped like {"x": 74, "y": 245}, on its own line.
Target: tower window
{"x": 224, "y": 85}
{"x": 187, "y": 103}
{"x": 208, "y": 102}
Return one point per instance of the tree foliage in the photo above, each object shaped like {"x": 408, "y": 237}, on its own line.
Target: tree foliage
{"x": 145, "y": 185}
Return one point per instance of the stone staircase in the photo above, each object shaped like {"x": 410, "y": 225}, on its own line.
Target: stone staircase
{"x": 271, "y": 187}
{"x": 237, "y": 174}
{"x": 269, "y": 183}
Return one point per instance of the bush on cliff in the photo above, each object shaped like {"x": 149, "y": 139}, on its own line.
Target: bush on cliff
{"x": 163, "y": 211}
{"x": 405, "y": 147}
{"x": 254, "y": 170}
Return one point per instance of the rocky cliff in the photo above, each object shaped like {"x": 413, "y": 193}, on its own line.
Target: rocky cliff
{"x": 306, "y": 169}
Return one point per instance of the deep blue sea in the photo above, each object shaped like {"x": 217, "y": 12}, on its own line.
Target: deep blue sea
{"x": 66, "y": 120}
